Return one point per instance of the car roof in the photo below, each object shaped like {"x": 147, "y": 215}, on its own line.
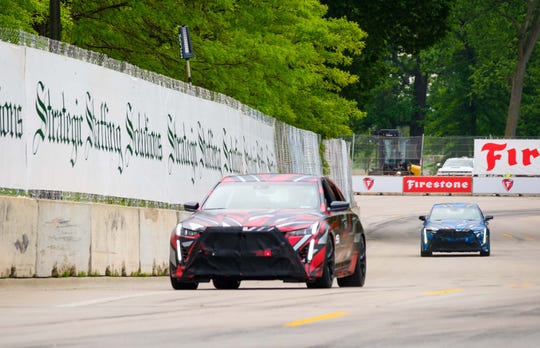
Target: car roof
{"x": 456, "y": 205}
{"x": 271, "y": 177}
{"x": 458, "y": 159}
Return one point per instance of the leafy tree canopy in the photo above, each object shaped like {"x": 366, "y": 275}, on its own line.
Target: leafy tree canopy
{"x": 283, "y": 58}
{"x": 472, "y": 72}
{"x": 397, "y": 31}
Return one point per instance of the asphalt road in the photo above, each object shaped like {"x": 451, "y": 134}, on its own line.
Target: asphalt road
{"x": 408, "y": 301}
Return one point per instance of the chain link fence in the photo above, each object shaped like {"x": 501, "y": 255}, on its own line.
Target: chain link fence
{"x": 297, "y": 150}
{"x": 394, "y": 155}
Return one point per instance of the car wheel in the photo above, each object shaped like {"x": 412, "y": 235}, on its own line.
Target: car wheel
{"x": 358, "y": 278}
{"x": 327, "y": 278}
{"x": 226, "y": 283}
{"x": 424, "y": 253}
{"x": 179, "y": 285}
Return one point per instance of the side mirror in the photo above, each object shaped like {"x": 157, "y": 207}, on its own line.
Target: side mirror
{"x": 191, "y": 206}
{"x": 422, "y": 217}
{"x": 488, "y": 217}
{"x": 339, "y": 205}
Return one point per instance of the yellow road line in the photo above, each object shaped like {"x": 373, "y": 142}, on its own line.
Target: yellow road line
{"x": 529, "y": 239}
{"x": 507, "y": 235}
{"x": 440, "y": 292}
{"x": 522, "y": 285}
{"x": 315, "y": 319}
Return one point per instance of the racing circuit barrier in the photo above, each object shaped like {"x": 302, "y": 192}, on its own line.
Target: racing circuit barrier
{"x": 48, "y": 238}
{"x": 78, "y": 130}
{"x": 159, "y": 142}
{"x": 451, "y": 185}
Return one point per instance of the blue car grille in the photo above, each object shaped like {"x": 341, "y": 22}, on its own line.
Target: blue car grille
{"x": 454, "y": 234}
{"x": 455, "y": 240}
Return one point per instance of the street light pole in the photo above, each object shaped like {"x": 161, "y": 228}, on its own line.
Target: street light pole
{"x": 186, "y": 50}
{"x": 188, "y": 71}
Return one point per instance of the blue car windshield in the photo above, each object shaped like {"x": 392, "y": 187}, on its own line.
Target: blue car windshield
{"x": 263, "y": 195}
{"x": 455, "y": 213}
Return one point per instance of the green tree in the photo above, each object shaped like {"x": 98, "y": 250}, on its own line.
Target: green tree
{"x": 525, "y": 18}
{"x": 397, "y": 31}
{"x": 27, "y": 15}
{"x": 473, "y": 70}
{"x": 467, "y": 94}
{"x": 283, "y": 58}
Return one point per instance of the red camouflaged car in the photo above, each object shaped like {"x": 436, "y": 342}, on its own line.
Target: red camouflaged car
{"x": 290, "y": 227}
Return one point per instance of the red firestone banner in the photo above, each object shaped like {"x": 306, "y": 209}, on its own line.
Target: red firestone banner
{"x": 437, "y": 184}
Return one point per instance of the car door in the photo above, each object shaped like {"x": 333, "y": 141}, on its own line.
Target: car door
{"x": 341, "y": 224}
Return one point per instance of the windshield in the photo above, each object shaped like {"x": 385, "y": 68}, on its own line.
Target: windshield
{"x": 455, "y": 213}
{"x": 263, "y": 195}
{"x": 458, "y": 162}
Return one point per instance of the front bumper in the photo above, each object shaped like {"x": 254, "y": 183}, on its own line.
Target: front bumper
{"x": 233, "y": 252}
{"x": 451, "y": 240}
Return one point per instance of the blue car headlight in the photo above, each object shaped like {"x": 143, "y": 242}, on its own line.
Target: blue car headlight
{"x": 427, "y": 231}
{"x": 481, "y": 233}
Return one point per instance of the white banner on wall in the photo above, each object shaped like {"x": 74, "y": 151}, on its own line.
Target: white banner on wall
{"x": 507, "y": 156}
{"x": 377, "y": 184}
{"x": 67, "y": 125}
{"x": 506, "y": 185}
{"x": 12, "y": 128}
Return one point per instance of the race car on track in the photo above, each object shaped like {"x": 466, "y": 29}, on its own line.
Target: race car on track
{"x": 290, "y": 227}
{"x": 455, "y": 227}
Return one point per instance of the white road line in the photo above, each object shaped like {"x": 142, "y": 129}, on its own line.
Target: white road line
{"x": 106, "y": 299}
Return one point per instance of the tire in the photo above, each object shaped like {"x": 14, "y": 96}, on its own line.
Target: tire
{"x": 358, "y": 278}
{"x": 327, "y": 278}
{"x": 225, "y": 283}
{"x": 425, "y": 253}
{"x": 179, "y": 285}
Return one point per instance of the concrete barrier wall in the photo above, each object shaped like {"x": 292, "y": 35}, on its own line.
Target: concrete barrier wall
{"x": 18, "y": 237}
{"x": 155, "y": 228}
{"x": 63, "y": 238}
{"x": 44, "y": 238}
{"x": 115, "y": 246}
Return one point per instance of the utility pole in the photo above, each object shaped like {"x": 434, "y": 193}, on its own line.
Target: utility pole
{"x": 55, "y": 25}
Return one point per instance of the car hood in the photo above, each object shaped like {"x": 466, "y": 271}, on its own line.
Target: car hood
{"x": 456, "y": 224}
{"x": 455, "y": 169}
{"x": 284, "y": 220}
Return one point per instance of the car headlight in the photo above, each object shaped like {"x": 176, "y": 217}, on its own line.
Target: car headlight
{"x": 302, "y": 232}
{"x": 184, "y": 232}
{"x": 310, "y": 231}
{"x": 425, "y": 233}
{"x": 481, "y": 233}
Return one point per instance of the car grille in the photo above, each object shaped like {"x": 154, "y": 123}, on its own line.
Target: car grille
{"x": 231, "y": 251}
{"x": 454, "y": 234}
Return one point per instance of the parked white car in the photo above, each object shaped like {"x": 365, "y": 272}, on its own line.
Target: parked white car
{"x": 461, "y": 166}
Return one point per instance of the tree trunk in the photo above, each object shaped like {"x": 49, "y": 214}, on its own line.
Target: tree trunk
{"x": 420, "y": 96}
{"x": 55, "y": 30}
{"x": 528, "y": 35}
{"x": 515, "y": 99}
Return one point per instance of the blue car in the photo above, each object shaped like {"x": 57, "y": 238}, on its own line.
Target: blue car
{"x": 455, "y": 227}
